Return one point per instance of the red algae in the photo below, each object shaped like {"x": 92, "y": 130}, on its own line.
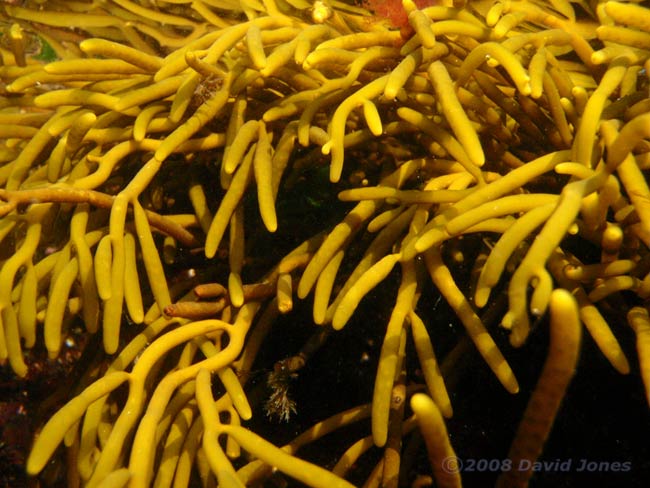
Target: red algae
{"x": 394, "y": 11}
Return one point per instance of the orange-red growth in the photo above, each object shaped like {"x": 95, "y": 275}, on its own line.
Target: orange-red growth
{"x": 394, "y": 11}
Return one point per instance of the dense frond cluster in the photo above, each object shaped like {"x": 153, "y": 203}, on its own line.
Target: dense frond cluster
{"x": 149, "y": 148}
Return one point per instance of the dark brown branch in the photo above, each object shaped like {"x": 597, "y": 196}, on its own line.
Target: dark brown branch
{"x": 97, "y": 199}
